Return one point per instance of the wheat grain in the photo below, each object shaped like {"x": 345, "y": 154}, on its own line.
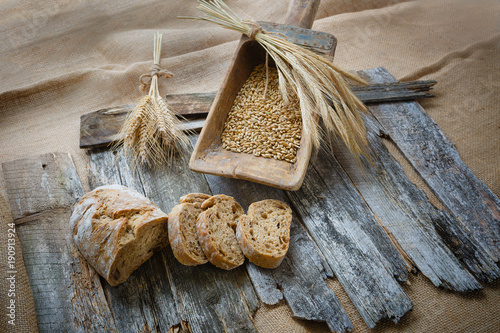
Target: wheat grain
{"x": 319, "y": 85}
{"x": 260, "y": 123}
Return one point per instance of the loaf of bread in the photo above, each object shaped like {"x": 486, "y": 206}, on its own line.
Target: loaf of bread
{"x": 182, "y": 231}
{"x": 264, "y": 233}
{"x": 117, "y": 229}
{"x": 216, "y": 228}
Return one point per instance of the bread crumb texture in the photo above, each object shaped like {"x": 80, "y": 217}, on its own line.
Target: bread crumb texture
{"x": 216, "y": 227}
{"x": 264, "y": 233}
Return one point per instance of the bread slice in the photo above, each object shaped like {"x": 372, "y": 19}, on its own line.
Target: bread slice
{"x": 195, "y": 198}
{"x": 182, "y": 230}
{"x": 264, "y": 233}
{"x": 117, "y": 229}
{"x": 216, "y": 231}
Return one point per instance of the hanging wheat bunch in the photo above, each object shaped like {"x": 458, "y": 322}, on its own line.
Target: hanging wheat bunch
{"x": 151, "y": 135}
{"x": 321, "y": 87}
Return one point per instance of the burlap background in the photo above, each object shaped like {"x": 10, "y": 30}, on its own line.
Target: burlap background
{"x": 61, "y": 59}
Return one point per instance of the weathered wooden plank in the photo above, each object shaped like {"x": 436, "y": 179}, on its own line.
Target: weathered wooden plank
{"x": 67, "y": 292}
{"x": 207, "y": 298}
{"x": 41, "y": 183}
{"x": 404, "y": 211}
{"x": 434, "y": 157}
{"x": 102, "y": 127}
{"x": 301, "y": 275}
{"x": 353, "y": 243}
{"x": 211, "y": 299}
{"x": 395, "y": 91}
{"x": 146, "y": 299}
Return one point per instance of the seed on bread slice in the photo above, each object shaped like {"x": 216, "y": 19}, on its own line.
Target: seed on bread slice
{"x": 264, "y": 233}
{"x": 182, "y": 230}
{"x": 216, "y": 228}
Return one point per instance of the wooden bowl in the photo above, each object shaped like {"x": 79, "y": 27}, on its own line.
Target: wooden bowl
{"x": 209, "y": 157}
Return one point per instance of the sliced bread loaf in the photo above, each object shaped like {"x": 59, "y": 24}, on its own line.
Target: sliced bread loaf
{"x": 117, "y": 229}
{"x": 216, "y": 231}
{"x": 264, "y": 233}
{"x": 182, "y": 230}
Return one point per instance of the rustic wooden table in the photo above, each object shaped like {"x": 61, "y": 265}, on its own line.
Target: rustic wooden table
{"x": 367, "y": 226}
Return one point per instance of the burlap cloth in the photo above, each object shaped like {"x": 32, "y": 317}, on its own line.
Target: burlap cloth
{"x": 61, "y": 59}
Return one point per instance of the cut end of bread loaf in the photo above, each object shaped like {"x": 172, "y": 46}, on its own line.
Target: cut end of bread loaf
{"x": 264, "y": 233}
{"x": 138, "y": 247}
{"x": 216, "y": 229}
{"x": 117, "y": 229}
{"x": 183, "y": 235}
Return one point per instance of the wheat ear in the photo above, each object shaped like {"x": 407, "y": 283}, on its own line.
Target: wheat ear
{"x": 150, "y": 133}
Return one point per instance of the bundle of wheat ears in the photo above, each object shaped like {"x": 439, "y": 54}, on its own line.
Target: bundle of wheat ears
{"x": 320, "y": 85}
{"x": 151, "y": 135}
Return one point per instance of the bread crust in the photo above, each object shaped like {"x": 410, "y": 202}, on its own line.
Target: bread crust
{"x": 181, "y": 248}
{"x": 250, "y": 248}
{"x": 196, "y": 199}
{"x": 210, "y": 244}
{"x": 117, "y": 229}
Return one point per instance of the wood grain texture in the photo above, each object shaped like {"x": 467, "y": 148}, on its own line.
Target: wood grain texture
{"x": 67, "y": 292}
{"x": 300, "y": 277}
{"x": 211, "y": 299}
{"x": 394, "y": 91}
{"x": 353, "y": 243}
{"x": 405, "y": 213}
{"x": 435, "y": 158}
{"x": 209, "y": 156}
{"x": 41, "y": 183}
{"x": 146, "y": 299}
{"x": 206, "y": 298}
{"x": 301, "y": 13}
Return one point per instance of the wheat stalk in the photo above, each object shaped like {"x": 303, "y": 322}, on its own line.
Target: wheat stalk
{"x": 150, "y": 133}
{"x": 321, "y": 87}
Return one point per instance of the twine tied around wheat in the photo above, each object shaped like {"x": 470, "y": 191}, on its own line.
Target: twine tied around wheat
{"x": 151, "y": 134}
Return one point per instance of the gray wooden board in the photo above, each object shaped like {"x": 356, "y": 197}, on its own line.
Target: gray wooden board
{"x": 435, "y": 158}
{"x": 67, "y": 292}
{"x": 334, "y": 231}
{"x": 145, "y": 301}
{"x": 207, "y": 298}
{"x": 301, "y": 275}
{"x": 353, "y": 243}
{"x": 404, "y": 211}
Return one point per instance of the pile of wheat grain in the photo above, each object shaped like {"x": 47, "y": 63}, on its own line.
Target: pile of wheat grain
{"x": 260, "y": 123}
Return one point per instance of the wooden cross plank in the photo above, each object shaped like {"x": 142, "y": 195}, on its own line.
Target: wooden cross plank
{"x": 67, "y": 292}
{"x": 102, "y": 127}
{"x": 435, "y": 158}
